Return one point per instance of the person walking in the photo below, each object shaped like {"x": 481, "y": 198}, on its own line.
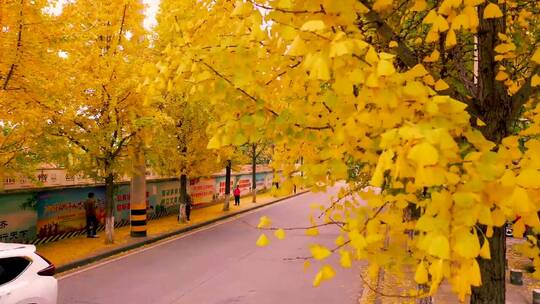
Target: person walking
{"x": 189, "y": 204}
{"x": 91, "y": 217}
{"x": 236, "y": 196}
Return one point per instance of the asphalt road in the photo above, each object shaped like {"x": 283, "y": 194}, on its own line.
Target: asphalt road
{"x": 221, "y": 264}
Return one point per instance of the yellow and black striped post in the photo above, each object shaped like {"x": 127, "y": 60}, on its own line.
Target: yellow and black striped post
{"x": 138, "y": 194}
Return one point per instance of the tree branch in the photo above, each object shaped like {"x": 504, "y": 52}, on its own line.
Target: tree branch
{"x": 524, "y": 93}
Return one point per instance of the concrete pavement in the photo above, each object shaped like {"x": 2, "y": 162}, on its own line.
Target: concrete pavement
{"x": 220, "y": 264}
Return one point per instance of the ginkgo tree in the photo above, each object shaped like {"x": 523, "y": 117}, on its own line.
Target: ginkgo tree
{"x": 424, "y": 95}
{"x": 93, "y": 105}
{"x": 23, "y": 69}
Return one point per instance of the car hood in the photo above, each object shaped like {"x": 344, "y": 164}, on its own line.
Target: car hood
{"x": 13, "y": 249}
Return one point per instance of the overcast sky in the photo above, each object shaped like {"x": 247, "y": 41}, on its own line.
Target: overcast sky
{"x": 149, "y": 21}
{"x": 151, "y": 12}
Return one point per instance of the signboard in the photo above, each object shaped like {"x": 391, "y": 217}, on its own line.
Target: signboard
{"x": 63, "y": 211}
{"x": 202, "y": 190}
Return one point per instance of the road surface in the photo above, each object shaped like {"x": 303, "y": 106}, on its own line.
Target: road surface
{"x": 221, "y": 264}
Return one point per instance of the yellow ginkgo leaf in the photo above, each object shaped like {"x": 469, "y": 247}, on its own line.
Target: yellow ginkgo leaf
{"x": 319, "y": 68}
{"x": 280, "y": 234}
{"x": 431, "y": 17}
{"x": 505, "y": 48}
{"x": 492, "y": 10}
{"x": 529, "y": 178}
{"x": 385, "y": 68}
{"x": 421, "y": 274}
{"x": 419, "y": 6}
{"x": 312, "y": 231}
{"x": 328, "y": 272}
{"x": 451, "y": 39}
{"x": 484, "y": 251}
{"x": 501, "y": 76}
{"x": 473, "y": 3}
{"x": 440, "y": 247}
{"x": 518, "y": 228}
{"x": 424, "y": 154}
{"x": 319, "y": 252}
{"x": 393, "y": 44}
{"x": 441, "y": 24}
{"x": 428, "y": 79}
{"x": 480, "y": 123}
{"x": 382, "y": 5}
{"x": 297, "y": 47}
{"x": 345, "y": 259}
{"x": 264, "y": 222}
{"x": 432, "y": 35}
{"x": 318, "y": 279}
{"x": 536, "y": 56}
{"x": 372, "y": 81}
{"x": 340, "y": 240}
{"x": 441, "y": 85}
{"x": 466, "y": 244}
{"x": 262, "y": 241}
{"x": 433, "y": 57}
{"x": 535, "y": 81}
{"x": 460, "y": 21}
{"x": 313, "y": 26}
{"x": 371, "y": 56}
{"x": 474, "y": 274}
{"x": 417, "y": 71}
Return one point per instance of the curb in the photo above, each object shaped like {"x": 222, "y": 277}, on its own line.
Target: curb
{"x": 147, "y": 241}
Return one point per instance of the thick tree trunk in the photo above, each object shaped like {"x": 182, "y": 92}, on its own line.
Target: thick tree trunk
{"x": 495, "y": 110}
{"x": 254, "y": 173}
{"x": 138, "y": 194}
{"x": 227, "y": 186}
{"x": 109, "y": 209}
{"x": 183, "y": 198}
{"x": 493, "y": 275}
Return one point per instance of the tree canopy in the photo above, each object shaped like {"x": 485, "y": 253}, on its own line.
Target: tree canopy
{"x": 427, "y": 98}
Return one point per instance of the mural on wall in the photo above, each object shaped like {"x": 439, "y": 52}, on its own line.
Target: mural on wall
{"x": 60, "y": 211}
{"x": 202, "y": 190}
{"x": 244, "y": 184}
{"x": 27, "y": 216}
{"x": 17, "y": 217}
{"x": 220, "y": 184}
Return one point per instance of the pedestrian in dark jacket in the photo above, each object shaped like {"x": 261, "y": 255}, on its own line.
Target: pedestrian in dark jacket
{"x": 236, "y": 196}
{"x": 189, "y": 204}
{"x": 91, "y": 216}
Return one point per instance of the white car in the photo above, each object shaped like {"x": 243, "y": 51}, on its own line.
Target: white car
{"x": 25, "y": 276}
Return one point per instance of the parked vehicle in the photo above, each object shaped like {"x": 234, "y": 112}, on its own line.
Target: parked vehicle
{"x": 25, "y": 276}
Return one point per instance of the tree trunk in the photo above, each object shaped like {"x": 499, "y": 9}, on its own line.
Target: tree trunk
{"x": 183, "y": 198}
{"x": 493, "y": 275}
{"x": 254, "y": 173}
{"x": 227, "y": 186}
{"x": 109, "y": 209}
{"x": 495, "y": 110}
{"x": 138, "y": 194}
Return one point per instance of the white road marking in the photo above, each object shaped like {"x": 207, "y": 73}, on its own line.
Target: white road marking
{"x": 163, "y": 242}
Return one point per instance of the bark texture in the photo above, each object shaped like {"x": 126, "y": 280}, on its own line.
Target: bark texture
{"x": 227, "y": 186}
{"x": 109, "y": 209}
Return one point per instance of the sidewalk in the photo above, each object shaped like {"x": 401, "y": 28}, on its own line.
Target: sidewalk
{"x": 397, "y": 284}
{"x": 78, "y": 251}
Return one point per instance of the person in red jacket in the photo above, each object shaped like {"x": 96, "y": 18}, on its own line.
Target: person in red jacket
{"x": 236, "y": 196}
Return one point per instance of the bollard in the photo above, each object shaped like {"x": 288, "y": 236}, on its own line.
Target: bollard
{"x": 516, "y": 277}
{"x": 536, "y": 296}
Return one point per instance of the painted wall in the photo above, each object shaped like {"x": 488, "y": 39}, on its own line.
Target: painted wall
{"x": 46, "y": 215}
